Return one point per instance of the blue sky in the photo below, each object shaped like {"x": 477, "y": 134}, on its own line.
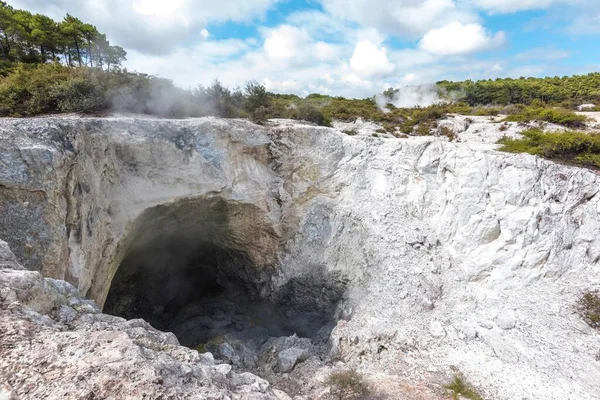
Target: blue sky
{"x": 344, "y": 47}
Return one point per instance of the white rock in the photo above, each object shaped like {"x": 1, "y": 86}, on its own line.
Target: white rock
{"x": 288, "y": 358}
{"x": 281, "y": 395}
{"x": 507, "y": 319}
{"x": 436, "y": 329}
{"x": 514, "y": 231}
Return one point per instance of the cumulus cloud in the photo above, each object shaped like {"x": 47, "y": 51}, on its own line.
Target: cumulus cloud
{"x": 284, "y": 43}
{"x": 293, "y": 46}
{"x": 369, "y": 60}
{"x": 457, "y": 39}
{"x": 401, "y": 17}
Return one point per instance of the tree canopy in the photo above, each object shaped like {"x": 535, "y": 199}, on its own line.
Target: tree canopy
{"x": 502, "y": 91}
{"x": 34, "y": 38}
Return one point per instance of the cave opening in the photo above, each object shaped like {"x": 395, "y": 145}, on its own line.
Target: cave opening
{"x": 201, "y": 269}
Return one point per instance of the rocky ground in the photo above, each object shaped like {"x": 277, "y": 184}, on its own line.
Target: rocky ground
{"x": 441, "y": 258}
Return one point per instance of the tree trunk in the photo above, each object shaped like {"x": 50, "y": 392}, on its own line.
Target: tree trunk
{"x": 78, "y": 52}
{"x": 90, "y": 54}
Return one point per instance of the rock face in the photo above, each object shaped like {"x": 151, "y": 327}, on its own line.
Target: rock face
{"x": 429, "y": 255}
{"x": 76, "y": 352}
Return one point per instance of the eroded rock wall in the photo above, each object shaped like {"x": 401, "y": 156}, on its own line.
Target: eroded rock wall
{"x": 450, "y": 254}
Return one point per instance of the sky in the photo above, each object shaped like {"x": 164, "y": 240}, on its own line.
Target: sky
{"x": 352, "y": 48}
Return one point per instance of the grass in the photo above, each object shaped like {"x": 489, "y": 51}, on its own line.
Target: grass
{"x": 578, "y": 148}
{"x": 461, "y": 388}
{"x": 348, "y": 384}
{"x": 589, "y": 308}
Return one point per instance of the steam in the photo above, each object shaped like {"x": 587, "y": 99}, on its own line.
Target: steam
{"x": 408, "y": 97}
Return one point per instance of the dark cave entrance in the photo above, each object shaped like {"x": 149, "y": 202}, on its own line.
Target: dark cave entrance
{"x": 201, "y": 269}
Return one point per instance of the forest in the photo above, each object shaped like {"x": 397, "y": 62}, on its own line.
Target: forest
{"x": 35, "y": 38}
{"x": 567, "y": 91}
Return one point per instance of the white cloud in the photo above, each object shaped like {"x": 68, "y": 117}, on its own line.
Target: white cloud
{"x": 401, "y": 17}
{"x": 285, "y": 43}
{"x": 369, "y": 60}
{"x": 158, "y": 8}
{"x": 511, "y": 6}
{"x": 326, "y": 52}
{"x": 457, "y": 39}
{"x": 292, "y": 46}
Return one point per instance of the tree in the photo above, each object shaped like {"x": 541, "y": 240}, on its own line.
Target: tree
{"x": 72, "y": 30}
{"x": 45, "y": 36}
{"x": 89, "y": 33}
{"x": 115, "y": 55}
{"x": 256, "y": 96}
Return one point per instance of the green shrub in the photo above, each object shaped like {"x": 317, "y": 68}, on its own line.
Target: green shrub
{"x": 449, "y": 133}
{"x": 460, "y": 388}
{"x": 588, "y": 307}
{"x": 350, "y": 132}
{"x": 259, "y": 115}
{"x": 424, "y": 129}
{"x": 310, "y": 113}
{"x": 256, "y": 97}
{"x": 579, "y": 148}
{"x": 348, "y": 384}
{"x": 554, "y": 115}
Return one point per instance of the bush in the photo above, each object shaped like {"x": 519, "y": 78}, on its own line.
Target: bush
{"x": 260, "y": 115}
{"x": 256, "y": 97}
{"x": 588, "y": 307}
{"x": 310, "y": 113}
{"x": 462, "y": 389}
{"x": 348, "y": 385}
{"x": 553, "y": 115}
{"x": 449, "y": 133}
{"x": 578, "y": 148}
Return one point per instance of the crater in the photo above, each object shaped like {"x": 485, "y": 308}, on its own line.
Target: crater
{"x": 204, "y": 268}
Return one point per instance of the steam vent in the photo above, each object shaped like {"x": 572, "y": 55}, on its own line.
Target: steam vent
{"x": 219, "y": 259}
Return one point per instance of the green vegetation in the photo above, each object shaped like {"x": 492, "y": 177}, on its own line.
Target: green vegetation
{"x": 460, "y": 388}
{"x": 589, "y": 308}
{"x": 579, "y": 148}
{"x": 53, "y": 88}
{"x": 553, "y": 115}
{"x": 567, "y": 91}
{"x": 348, "y": 384}
{"x": 36, "y": 38}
